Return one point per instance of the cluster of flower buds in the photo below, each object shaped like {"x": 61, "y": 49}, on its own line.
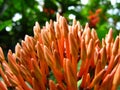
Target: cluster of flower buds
{"x": 62, "y": 57}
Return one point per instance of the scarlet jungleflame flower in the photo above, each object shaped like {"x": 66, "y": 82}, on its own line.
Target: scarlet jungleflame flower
{"x": 94, "y": 17}
{"x": 49, "y": 11}
{"x": 73, "y": 55}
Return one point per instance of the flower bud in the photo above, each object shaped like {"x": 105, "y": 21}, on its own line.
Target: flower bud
{"x": 90, "y": 49}
{"x": 45, "y": 38}
{"x": 1, "y": 55}
{"x": 73, "y": 45}
{"x": 83, "y": 50}
{"x": 64, "y": 27}
{"x": 115, "y": 46}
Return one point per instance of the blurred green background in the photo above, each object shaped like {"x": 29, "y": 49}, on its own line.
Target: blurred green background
{"x": 17, "y": 17}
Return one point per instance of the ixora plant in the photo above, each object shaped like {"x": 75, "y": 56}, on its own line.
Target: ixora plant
{"x": 62, "y": 57}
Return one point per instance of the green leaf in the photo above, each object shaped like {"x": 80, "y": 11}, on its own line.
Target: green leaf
{"x": 4, "y": 24}
{"x": 1, "y": 1}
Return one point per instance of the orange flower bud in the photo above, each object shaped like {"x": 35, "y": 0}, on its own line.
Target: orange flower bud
{"x": 109, "y": 37}
{"x": 4, "y": 77}
{"x": 52, "y": 85}
{"x": 51, "y": 31}
{"x": 45, "y": 38}
{"x": 40, "y": 52}
{"x": 64, "y": 27}
{"x": 103, "y": 56}
{"x": 49, "y": 57}
{"x": 1, "y": 55}
{"x": 90, "y": 49}
{"x": 97, "y": 78}
{"x": 116, "y": 78}
{"x": 57, "y": 30}
{"x": 12, "y": 63}
{"x": 17, "y": 50}
{"x": 115, "y": 46}
{"x": 38, "y": 75}
{"x": 37, "y": 26}
{"x": 83, "y": 50}
{"x": 71, "y": 77}
{"x": 94, "y": 34}
{"x": 73, "y": 45}
{"x": 59, "y": 87}
{"x": 87, "y": 36}
{"x": 2, "y": 86}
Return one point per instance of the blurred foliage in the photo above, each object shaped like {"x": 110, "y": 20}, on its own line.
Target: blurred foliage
{"x": 100, "y": 14}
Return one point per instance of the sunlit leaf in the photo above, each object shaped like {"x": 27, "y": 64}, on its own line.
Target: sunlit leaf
{"x": 4, "y": 24}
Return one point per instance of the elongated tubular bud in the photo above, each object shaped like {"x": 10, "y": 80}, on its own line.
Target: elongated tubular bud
{"x": 110, "y": 65}
{"x": 108, "y": 50}
{"x": 90, "y": 49}
{"x": 1, "y": 55}
{"x": 73, "y": 51}
{"x": 12, "y": 78}
{"x": 86, "y": 26}
{"x": 71, "y": 77}
{"x": 94, "y": 34}
{"x": 22, "y": 82}
{"x": 103, "y": 42}
{"x": 57, "y": 30}
{"x": 41, "y": 59}
{"x": 12, "y": 63}
{"x": 75, "y": 32}
{"x": 52, "y": 63}
{"x": 49, "y": 57}
{"x": 52, "y": 85}
{"x": 97, "y": 78}
{"x": 18, "y": 88}
{"x": 109, "y": 37}
{"x": 30, "y": 42}
{"x": 87, "y": 80}
{"x": 59, "y": 87}
{"x": 79, "y": 26}
{"x": 107, "y": 81}
{"x": 37, "y": 33}
{"x": 26, "y": 74}
{"x": 36, "y": 85}
{"x": 16, "y": 70}
{"x": 37, "y": 74}
{"x": 45, "y": 38}
{"x": 51, "y": 31}
{"x": 73, "y": 45}
{"x": 83, "y": 58}
{"x": 104, "y": 85}
{"x": 40, "y": 52}
{"x": 87, "y": 36}
{"x": 4, "y": 77}
{"x": 57, "y": 60}
{"x": 25, "y": 47}
{"x": 83, "y": 50}
{"x": 2, "y": 86}
{"x": 103, "y": 56}
{"x": 115, "y": 46}
{"x": 17, "y": 50}
{"x": 74, "y": 22}
{"x": 119, "y": 44}
{"x": 64, "y": 27}
{"x": 98, "y": 67}
{"x": 117, "y": 59}
{"x": 37, "y": 26}
{"x": 116, "y": 78}
{"x": 57, "y": 17}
